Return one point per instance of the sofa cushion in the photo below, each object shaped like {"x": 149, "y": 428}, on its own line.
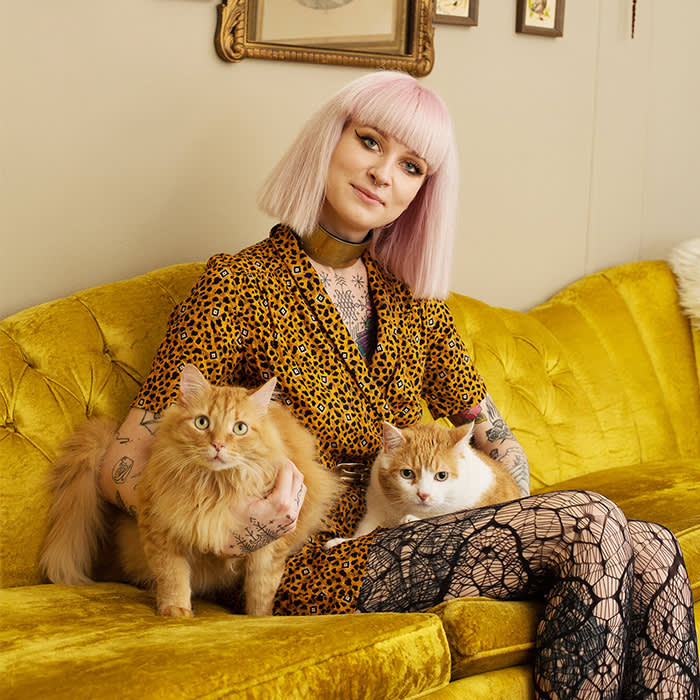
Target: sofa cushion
{"x": 104, "y": 640}
{"x": 486, "y": 635}
{"x": 514, "y": 683}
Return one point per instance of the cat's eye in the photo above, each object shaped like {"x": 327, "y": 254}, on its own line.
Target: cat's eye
{"x": 407, "y": 473}
{"x": 441, "y": 476}
{"x": 240, "y": 428}
{"x": 201, "y": 422}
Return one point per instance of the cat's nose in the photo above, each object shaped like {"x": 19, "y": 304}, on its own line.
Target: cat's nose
{"x": 423, "y": 496}
{"x": 218, "y": 446}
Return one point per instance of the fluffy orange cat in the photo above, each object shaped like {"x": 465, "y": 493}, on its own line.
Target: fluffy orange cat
{"x": 214, "y": 446}
{"x": 428, "y": 470}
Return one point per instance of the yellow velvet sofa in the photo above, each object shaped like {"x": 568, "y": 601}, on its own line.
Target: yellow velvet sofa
{"x": 600, "y": 385}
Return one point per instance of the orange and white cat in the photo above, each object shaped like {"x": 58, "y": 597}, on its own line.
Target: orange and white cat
{"x": 427, "y": 470}
{"x": 215, "y": 445}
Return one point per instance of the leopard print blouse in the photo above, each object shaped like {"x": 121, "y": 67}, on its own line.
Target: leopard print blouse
{"x": 264, "y": 313}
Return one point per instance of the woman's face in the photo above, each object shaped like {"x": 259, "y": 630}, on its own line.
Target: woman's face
{"x": 372, "y": 178}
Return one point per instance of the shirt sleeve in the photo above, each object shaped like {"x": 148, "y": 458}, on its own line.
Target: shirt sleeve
{"x": 451, "y": 382}
{"x": 206, "y": 330}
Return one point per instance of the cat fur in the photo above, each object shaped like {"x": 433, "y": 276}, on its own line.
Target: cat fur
{"x": 473, "y": 478}
{"x": 185, "y": 495}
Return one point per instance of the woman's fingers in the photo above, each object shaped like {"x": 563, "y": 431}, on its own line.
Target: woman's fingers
{"x": 264, "y": 520}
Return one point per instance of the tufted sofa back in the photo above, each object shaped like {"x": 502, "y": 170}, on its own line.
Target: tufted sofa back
{"x": 60, "y": 363}
{"x": 602, "y": 375}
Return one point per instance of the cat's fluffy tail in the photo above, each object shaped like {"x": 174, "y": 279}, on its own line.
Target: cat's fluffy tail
{"x": 76, "y": 516}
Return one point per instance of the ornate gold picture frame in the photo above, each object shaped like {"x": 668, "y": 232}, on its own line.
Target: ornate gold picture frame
{"x": 405, "y": 43}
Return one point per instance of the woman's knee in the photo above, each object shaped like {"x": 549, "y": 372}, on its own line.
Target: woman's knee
{"x": 588, "y": 508}
{"x": 594, "y": 528}
{"x": 653, "y": 544}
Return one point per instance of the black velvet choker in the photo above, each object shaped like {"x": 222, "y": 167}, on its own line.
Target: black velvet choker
{"x": 327, "y": 249}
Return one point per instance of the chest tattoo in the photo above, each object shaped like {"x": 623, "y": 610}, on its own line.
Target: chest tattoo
{"x": 348, "y": 289}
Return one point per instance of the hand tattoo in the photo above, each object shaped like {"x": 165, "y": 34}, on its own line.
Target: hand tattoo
{"x": 257, "y": 535}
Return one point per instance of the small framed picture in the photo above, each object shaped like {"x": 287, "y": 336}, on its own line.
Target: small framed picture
{"x": 544, "y": 17}
{"x": 457, "y": 12}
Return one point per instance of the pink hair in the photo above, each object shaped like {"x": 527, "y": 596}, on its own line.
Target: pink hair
{"x": 417, "y": 246}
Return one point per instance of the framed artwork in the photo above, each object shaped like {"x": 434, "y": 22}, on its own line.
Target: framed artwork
{"x": 392, "y": 34}
{"x": 457, "y": 12}
{"x": 543, "y": 17}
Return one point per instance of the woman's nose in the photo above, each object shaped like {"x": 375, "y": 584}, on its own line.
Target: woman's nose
{"x": 379, "y": 177}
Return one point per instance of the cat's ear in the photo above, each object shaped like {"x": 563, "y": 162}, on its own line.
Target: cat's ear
{"x": 261, "y": 397}
{"x": 192, "y": 384}
{"x": 463, "y": 434}
{"x": 393, "y": 437}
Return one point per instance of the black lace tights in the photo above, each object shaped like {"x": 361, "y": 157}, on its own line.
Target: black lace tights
{"x": 618, "y": 617}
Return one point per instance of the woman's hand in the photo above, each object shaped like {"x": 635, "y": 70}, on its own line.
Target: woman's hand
{"x": 262, "y": 520}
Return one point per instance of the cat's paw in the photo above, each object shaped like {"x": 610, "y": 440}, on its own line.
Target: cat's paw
{"x": 334, "y": 542}
{"x": 409, "y": 519}
{"x": 175, "y": 611}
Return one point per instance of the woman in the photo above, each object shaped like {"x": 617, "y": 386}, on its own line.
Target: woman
{"x": 343, "y": 304}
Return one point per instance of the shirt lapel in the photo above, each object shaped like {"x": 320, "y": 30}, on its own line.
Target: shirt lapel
{"x": 339, "y": 345}
{"x": 386, "y": 353}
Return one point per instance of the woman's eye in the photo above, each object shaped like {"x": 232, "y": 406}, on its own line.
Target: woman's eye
{"x": 201, "y": 422}
{"x": 240, "y": 428}
{"x": 412, "y": 168}
{"x": 368, "y": 141}
{"x": 441, "y": 476}
{"x": 406, "y": 473}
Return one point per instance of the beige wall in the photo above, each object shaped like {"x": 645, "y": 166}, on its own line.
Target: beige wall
{"x": 126, "y": 144}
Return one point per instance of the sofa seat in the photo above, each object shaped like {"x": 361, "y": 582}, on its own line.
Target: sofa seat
{"x": 105, "y": 641}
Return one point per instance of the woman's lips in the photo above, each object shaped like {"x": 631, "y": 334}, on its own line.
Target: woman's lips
{"x": 367, "y": 196}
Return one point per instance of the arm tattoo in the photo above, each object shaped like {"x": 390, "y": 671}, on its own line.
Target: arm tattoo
{"x": 122, "y": 440}
{"x": 500, "y": 432}
{"x": 151, "y": 424}
{"x": 129, "y": 510}
{"x": 513, "y": 457}
{"x": 122, "y": 469}
{"x": 515, "y": 461}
